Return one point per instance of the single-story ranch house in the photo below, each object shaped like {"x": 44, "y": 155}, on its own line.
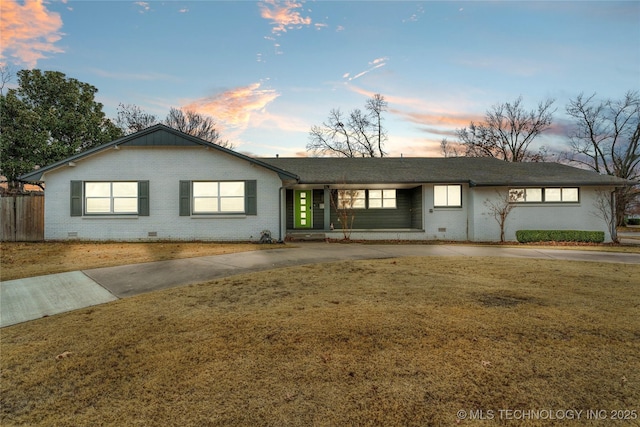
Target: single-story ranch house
{"x": 161, "y": 184}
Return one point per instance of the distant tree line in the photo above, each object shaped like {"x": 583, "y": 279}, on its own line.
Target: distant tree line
{"x": 50, "y": 116}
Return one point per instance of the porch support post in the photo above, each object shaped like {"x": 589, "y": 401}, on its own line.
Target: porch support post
{"x": 327, "y": 208}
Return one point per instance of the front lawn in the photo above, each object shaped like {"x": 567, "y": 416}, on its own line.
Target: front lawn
{"x": 408, "y": 341}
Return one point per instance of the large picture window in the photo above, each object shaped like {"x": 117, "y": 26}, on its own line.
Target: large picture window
{"x": 544, "y": 195}
{"x": 218, "y": 197}
{"x": 111, "y": 197}
{"x": 447, "y": 196}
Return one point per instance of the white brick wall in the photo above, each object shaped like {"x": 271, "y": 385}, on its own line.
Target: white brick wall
{"x": 163, "y": 168}
{"x": 537, "y": 216}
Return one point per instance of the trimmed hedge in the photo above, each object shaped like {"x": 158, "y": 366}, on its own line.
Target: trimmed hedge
{"x": 527, "y": 236}
{"x": 633, "y": 221}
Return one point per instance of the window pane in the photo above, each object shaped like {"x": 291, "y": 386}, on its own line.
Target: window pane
{"x": 375, "y": 194}
{"x": 348, "y": 199}
{"x": 389, "y": 194}
{"x": 516, "y": 195}
{"x": 389, "y": 203}
{"x": 454, "y": 195}
{"x": 97, "y": 189}
{"x": 533, "y": 194}
{"x": 232, "y": 204}
{"x": 375, "y": 203}
{"x": 569, "y": 194}
{"x": 232, "y": 189}
{"x": 205, "y": 189}
{"x": 125, "y": 189}
{"x": 94, "y": 205}
{"x": 440, "y": 195}
{"x": 552, "y": 195}
{"x": 202, "y": 204}
{"x": 128, "y": 205}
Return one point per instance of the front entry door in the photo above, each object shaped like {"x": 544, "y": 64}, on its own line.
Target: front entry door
{"x": 302, "y": 208}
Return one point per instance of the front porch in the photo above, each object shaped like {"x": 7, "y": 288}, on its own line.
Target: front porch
{"x": 310, "y": 213}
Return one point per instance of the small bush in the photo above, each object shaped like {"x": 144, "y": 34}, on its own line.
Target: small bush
{"x": 528, "y": 236}
{"x": 633, "y": 221}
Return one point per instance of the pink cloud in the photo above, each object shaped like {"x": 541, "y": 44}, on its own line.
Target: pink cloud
{"x": 28, "y": 32}
{"x": 235, "y": 107}
{"x": 283, "y": 15}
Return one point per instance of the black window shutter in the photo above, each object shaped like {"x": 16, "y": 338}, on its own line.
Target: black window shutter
{"x": 76, "y": 198}
{"x": 143, "y": 198}
{"x": 251, "y": 197}
{"x": 185, "y": 198}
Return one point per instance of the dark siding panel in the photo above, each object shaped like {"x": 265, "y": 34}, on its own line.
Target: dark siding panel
{"x": 289, "y": 209}
{"x": 416, "y": 208}
{"x": 160, "y": 138}
{"x": 401, "y": 217}
{"x": 318, "y": 214}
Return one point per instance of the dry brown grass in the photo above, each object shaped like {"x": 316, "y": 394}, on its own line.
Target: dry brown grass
{"x": 388, "y": 342}
{"x": 35, "y": 259}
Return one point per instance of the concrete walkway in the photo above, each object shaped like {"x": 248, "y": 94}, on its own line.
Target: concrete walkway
{"x": 27, "y": 299}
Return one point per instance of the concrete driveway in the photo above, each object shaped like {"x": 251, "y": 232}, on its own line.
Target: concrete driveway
{"x": 27, "y": 299}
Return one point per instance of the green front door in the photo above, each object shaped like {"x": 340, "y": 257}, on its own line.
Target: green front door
{"x": 302, "y": 209}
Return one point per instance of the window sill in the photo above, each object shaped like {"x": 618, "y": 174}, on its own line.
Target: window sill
{"x": 110, "y": 216}
{"x": 222, "y": 216}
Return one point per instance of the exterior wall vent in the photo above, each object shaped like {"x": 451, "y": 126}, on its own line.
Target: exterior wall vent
{"x": 442, "y": 230}
{"x": 152, "y": 234}
{"x": 72, "y": 234}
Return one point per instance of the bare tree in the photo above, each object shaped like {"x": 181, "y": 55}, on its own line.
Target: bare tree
{"x": 605, "y": 210}
{"x": 501, "y": 207}
{"x": 450, "y": 149}
{"x": 377, "y": 105}
{"x": 132, "y": 119}
{"x": 6, "y": 75}
{"x": 606, "y": 138}
{"x": 507, "y": 132}
{"x": 360, "y": 134}
{"x": 195, "y": 124}
{"x": 343, "y": 202}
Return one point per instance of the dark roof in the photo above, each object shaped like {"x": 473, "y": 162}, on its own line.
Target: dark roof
{"x": 157, "y": 135}
{"x": 477, "y": 171}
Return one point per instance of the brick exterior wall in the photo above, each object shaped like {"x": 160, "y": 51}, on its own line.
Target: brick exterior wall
{"x": 163, "y": 167}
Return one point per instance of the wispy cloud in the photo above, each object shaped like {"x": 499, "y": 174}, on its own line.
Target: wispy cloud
{"x": 28, "y": 32}
{"x": 373, "y": 65}
{"x": 143, "y": 5}
{"x": 283, "y": 15}
{"x": 235, "y": 107}
{"x": 415, "y": 17}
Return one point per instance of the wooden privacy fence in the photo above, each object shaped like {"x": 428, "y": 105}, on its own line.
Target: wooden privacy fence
{"x": 22, "y": 218}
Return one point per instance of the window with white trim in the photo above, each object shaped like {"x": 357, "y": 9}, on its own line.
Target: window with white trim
{"x": 212, "y": 197}
{"x": 111, "y": 197}
{"x": 382, "y": 199}
{"x": 544, "y": 195}
{"x": 447, "y": 196}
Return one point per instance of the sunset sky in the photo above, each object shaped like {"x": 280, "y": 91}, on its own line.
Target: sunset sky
{"x": 267, "y": 71}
